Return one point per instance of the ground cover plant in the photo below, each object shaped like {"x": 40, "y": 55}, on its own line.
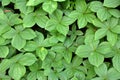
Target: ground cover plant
{"x": 60, "y": 40}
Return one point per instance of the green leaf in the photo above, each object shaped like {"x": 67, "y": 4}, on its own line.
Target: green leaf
{"x": 41, "y": 76}
{"x": 83, "y": 51}
{"x": 49, "y": 6}
{"x": 103, "y": 14}
{"x": 27, "y": 59}
{"x": 34, "y": 2}
{"x": 17, "y": 71}
{"x": 115, "y": 13}
{"x": 68, "y": 56}
{"x": 113, "y": 74}
{"x": 28, "y": 34}
{"x": 41, "y": 20}
{"x": 100, "y": 33}
{"x": 82, "y": 22}
{"x": 74, "y": 78}
{"x": 39, "y": 39}
{"x": 15, "y": 58}
{"x": 90, "y": 17}
{"x": 97, "y": 78}
{"x": 36, "y": 66}
{"x": 21, "y": 5}
{"x": 32, "y": 76}
{"x": 42, "y": 53}
{"x": 59, "y": 0}
{"x": 4, "y": 50}
{"x": 111, "y": 37}
{"x": 10, "y": 34}
{"x": 111, "y": 3}
{"x": 104, "y": 48}
{"x": 56, "y": 15}
{"x": 5, "y": 2}
{"x": 96, "y": 59}
{"x": 62, "y": 29}
{"x": 4, "y": 65}
{"x": 95, "y": 6}
{"x": 50, "y": 25}
{"x": 30, "y": 46}
{"x": 116, "y": 29}
{"x": 18, "y": 42}
{"x": 28, "y": 20}
{"x": 98, "y": 23}
{"x": 2, "y": 40}
{"x": 101, "y": 70}
{"x": 14, "y": 19}
{"x": 81, "y": 5}
{"x": 67, "y": 20}
{"x": 116, "y": 62}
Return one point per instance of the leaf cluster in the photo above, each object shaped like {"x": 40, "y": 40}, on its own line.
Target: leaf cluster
{"x": 60, "y": 40}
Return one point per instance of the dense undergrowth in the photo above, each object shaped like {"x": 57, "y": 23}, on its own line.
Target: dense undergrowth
{"x": 60, "y": 40}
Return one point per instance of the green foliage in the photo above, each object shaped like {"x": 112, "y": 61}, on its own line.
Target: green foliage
{"x": 60, "y": 40}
